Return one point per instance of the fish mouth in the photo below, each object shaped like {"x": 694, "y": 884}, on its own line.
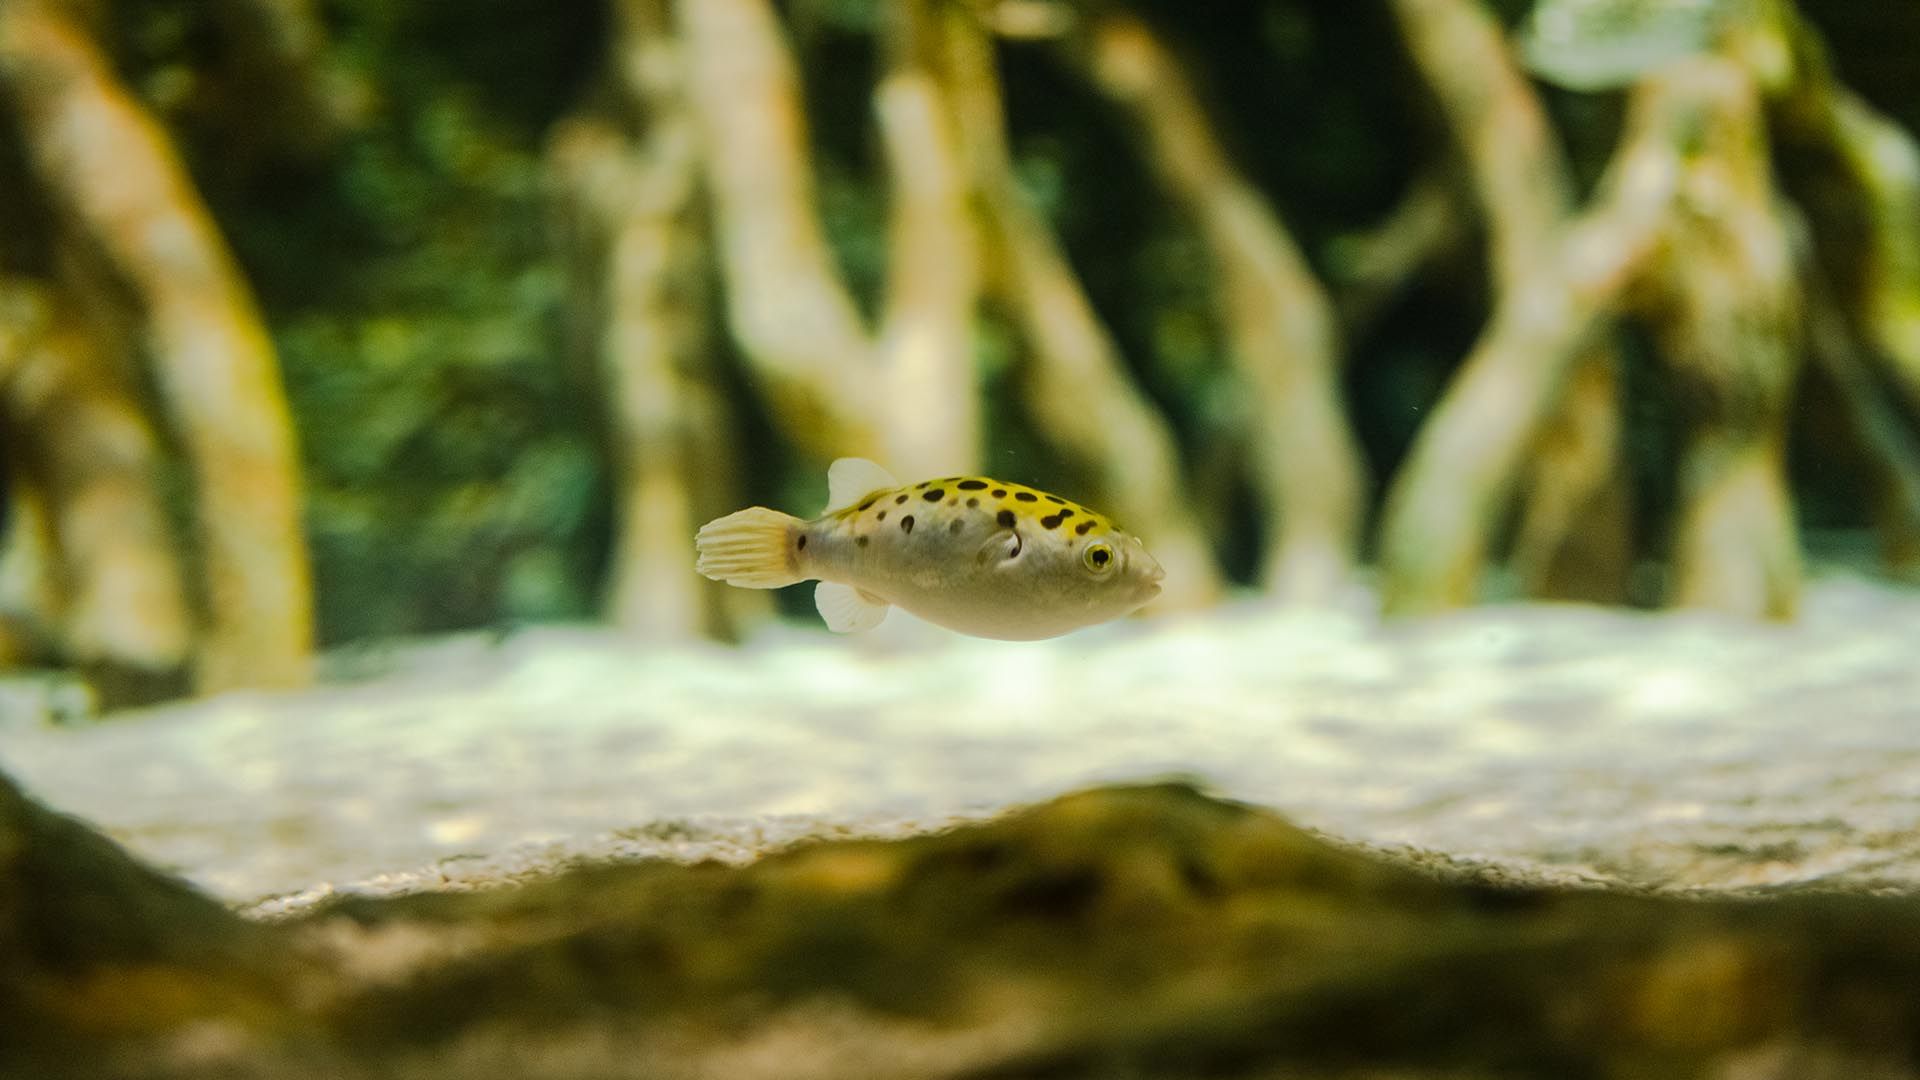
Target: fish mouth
{"x": 1145, "y": 574}
{"x": 1149, "y": 586}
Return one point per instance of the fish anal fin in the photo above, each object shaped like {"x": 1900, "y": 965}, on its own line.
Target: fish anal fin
{"x": 851, "y": 479}
{"x": 848, "y": 610}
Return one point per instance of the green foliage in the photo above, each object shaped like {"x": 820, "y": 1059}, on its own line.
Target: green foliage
{"x": 410, "y": 283}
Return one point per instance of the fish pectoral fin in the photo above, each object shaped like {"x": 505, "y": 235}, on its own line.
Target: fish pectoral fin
{"x": 850, "y": 479}
{"x": 848, "y": 610}
{"x": 1001, "y": 548}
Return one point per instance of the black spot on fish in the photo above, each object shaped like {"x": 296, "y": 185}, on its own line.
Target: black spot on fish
{"x": 869, "y": 503}
{"x": 882, "y": 517}
{"x": 1056, "y": 500}
{"x": 900, "y": 498}
{"x": 1005, "y": 519}
{"x": 862, "y": 541}
{"x": 906, "y": 524}
{"x": 1026, "y": 496}
{"x": 1066, "y": 513}
{"x": 935, "y": 495}
{"x": 958, "y": 524}
{"x": 802, "y": 543}
{"x": 972, "y": 503}
{"x": 973, "y": 485}
{"x": 1083, "y": 528}
{"x": 999, "y": 493}
{"x": 923, "y": 484}
{"x": 1051, "y": 521}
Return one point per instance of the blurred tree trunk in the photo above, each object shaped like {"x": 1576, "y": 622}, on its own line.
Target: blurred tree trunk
{"x": 82, "y": 446}
{"x": 786, "y": 302}
{"x": 632, "y": 232}
{"x": 1074, "y": 384}
{"x": 926, "y": 330}
{"x": 111, "y": 169}
{"x": 1277, "y": 318}
{"x": 1573, "y": 535}
{"x": 1729, "y": 326}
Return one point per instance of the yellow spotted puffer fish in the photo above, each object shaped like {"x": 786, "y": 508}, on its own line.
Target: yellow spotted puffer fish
{"x": 980, "y": 556}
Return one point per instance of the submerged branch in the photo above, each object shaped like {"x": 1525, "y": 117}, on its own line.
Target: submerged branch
{"x": 786, "y": 301}
{"x": 112, "y": 170}
{"x": 933, "y": 280}
{"x": 1469, "y": 455}
{"x": 1278, "y": 320}
{"x": 1878, "y": 164}
{"x": 631, "y": 230}
{"x": 1888, "y": 441}
{"x": 1729, "y": 327}
{"x": 83, "y": 446}
{"x": 1572, "y": 537}
{"x": 1076, "y": 386}
{"x": 1375, "y": 268}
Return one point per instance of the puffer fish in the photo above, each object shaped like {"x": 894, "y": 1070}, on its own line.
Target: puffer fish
{"x": 980, "y": 556}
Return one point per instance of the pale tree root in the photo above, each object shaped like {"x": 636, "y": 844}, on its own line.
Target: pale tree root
{"x": 802, "y": 336}
{"x": 112, "y": 173}
{"x": 1889, "y": 448}
{"x": 1877, "y": 166}
{"x": 906, "y": 394}
{"x": 1373, "y": 269}
{"x": 1728, "y": 306}
{"x": 1573, "y": 536}
{"x": 113, "y": 604}
{"x": 1075, "y": 386}
{"x": 1280, "y": 324}
{"x": 925, "y": 347}
{"x": 630, "y": 229}
{"x": 1467, "y": 459}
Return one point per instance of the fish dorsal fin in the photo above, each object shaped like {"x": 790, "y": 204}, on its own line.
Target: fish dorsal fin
{"x": 851, "y": 479}
{"x": 847, "y": 609}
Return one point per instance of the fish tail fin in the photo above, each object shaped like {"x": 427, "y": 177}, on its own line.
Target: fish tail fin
{"x": 752, "y": 548}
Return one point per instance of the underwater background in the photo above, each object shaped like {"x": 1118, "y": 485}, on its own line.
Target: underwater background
{"x": 1522, "y": 398}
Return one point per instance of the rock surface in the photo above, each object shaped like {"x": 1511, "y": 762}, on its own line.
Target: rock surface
{"x": 1539, "y": 743}
{"x": 1122, "y": 932}
{"x": 1472, "y": 768}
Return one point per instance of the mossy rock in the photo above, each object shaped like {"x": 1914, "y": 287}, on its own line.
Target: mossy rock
{"x": 1142, "y": 931}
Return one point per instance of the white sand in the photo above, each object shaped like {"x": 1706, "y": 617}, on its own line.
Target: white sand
{"x": 1558, "y": 743}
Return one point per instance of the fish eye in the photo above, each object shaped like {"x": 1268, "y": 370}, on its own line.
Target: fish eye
{"x": 1097, "y": 557}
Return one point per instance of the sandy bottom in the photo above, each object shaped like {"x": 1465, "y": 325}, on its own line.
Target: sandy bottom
{"x": 1565, "y": 744}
